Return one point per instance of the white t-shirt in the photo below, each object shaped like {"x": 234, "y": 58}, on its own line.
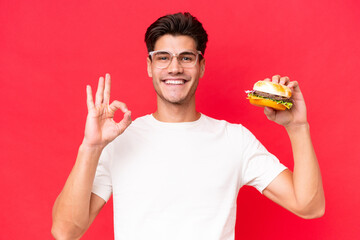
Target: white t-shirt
{"x": 181, "y": 180}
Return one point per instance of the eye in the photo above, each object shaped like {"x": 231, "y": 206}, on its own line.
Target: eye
{"x": 161, "y": 56}
{"x": 187, "y": 57}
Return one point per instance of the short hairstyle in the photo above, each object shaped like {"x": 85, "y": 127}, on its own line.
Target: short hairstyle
{"x": 177, "y": 24}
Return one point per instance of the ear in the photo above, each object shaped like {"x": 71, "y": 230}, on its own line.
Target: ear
{"x": 149, "y": 70}
{"x": 202, "y": 67}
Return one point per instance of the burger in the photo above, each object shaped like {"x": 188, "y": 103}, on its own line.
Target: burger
{"x": 270, "y": 94}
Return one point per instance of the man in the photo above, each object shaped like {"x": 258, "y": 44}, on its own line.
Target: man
{"x": 176, "y": 174}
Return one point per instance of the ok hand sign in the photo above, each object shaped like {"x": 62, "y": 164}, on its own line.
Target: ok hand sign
{"x": 100, "y": 127}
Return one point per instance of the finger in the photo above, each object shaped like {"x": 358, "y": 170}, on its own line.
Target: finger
{"x": 276, "y": 78}
{"x": 100, "y": 92}
{"x": 89, "y": 98}
{"x": 267, "y": 79}
{"x": 107, "y": 89}
{"x": 115, "y": 105}
{"x": 284, "y": 80}
{"x": 125, "y": 122}
{"x": 270, "y": 113}
{"x": 294, "y": 85}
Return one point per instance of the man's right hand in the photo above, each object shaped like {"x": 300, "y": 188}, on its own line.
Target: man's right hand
{"x": 100, "y": 127}
{"x": 76, "y": 206}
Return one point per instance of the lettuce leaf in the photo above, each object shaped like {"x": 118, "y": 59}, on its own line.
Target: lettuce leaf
{"x": 288, "y": 105}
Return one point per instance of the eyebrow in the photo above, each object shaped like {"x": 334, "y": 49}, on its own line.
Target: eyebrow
{"x": 187, "y": 52}
{"x": 161, "y": 51}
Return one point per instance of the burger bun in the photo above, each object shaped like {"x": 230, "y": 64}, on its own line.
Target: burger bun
{"x": 273, "y": 88}
{"x": 266, "y": 103}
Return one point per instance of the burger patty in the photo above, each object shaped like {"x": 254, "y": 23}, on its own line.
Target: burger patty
{"x": 271, "y": 96}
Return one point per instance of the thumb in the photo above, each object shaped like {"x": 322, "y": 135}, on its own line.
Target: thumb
{"x": 125, "y": 122}
{"x": 270, "y": 113}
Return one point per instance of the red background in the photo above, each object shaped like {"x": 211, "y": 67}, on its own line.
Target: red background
{"x": 49, "y": 51}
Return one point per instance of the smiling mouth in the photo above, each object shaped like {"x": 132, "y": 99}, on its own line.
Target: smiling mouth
{"x": 174, "y": 81}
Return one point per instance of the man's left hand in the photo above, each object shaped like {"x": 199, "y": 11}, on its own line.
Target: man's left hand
{"x": 296, "y": 116}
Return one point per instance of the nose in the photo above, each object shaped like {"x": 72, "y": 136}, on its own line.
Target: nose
{"x": 174, "y": 66}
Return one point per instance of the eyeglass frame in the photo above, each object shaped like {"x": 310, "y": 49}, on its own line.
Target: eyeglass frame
{"x": 176, "y": 55}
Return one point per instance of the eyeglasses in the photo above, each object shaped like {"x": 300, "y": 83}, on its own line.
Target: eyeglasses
{"x": 162, "y": 58}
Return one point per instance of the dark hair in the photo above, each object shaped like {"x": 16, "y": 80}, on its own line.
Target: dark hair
{"x": 177, "y": 24}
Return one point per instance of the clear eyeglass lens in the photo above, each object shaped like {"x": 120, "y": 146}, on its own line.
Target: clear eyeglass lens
{"x": 163, "y": 59}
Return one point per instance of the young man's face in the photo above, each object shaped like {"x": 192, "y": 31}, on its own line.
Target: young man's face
{"x": 176, "y": 84}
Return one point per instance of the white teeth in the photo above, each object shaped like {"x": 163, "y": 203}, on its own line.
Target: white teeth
{"x": 174, "y": 81}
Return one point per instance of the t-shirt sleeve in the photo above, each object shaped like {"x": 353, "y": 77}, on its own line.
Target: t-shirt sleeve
{"x": 260, "y": 167}
{"x": 102, "y": 185}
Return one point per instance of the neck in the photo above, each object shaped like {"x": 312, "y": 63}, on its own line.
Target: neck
{"x": 169, "y": 112}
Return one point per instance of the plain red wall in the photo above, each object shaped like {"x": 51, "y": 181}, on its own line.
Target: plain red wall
{"x": 49, "y": 51}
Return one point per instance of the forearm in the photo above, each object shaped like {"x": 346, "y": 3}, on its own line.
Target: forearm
{"x": 307, "y": 180}
{"x": 71, "y": 209}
